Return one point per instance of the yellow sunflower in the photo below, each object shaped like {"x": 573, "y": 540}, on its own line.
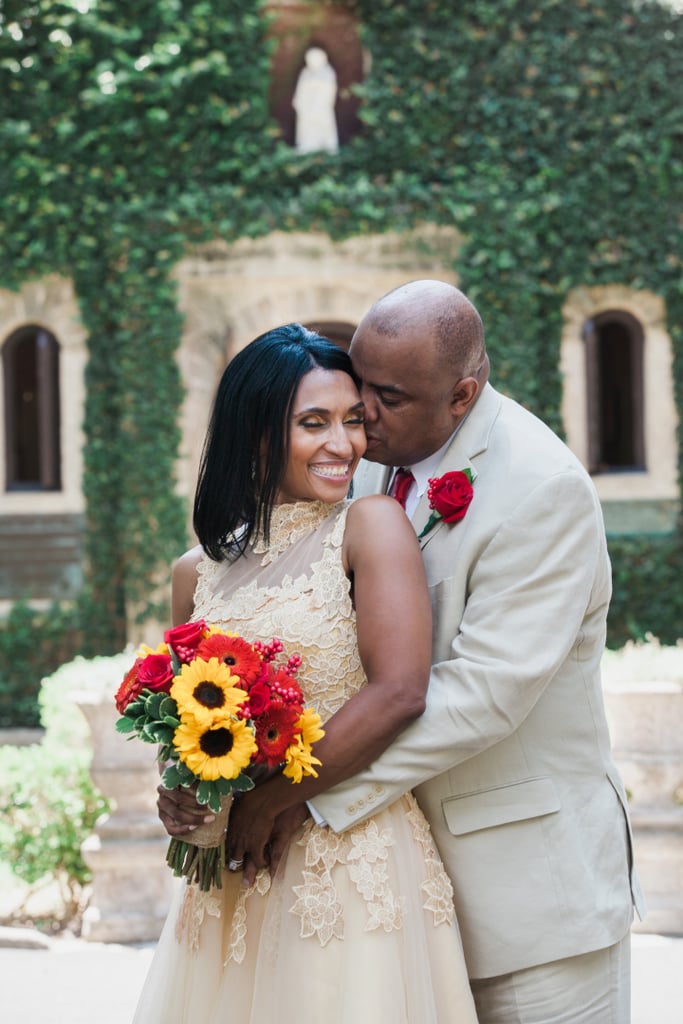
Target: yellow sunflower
{"x": 220, "y": 750}
{"x": 299, "y": 760}
{"x": 160, "y": 648}
{"x": 206, "y": 688}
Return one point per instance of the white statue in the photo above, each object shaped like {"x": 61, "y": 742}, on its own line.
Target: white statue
{"x": 313, "y": 101}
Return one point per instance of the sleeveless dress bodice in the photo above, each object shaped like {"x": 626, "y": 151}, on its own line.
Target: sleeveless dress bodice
{"x": 296, "y": 589}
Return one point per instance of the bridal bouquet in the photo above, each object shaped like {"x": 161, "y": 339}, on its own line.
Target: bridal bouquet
{"x": 224, "y": 713}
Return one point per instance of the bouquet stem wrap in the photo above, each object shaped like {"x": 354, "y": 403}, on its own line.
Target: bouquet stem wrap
{"x": 200, "y": 857}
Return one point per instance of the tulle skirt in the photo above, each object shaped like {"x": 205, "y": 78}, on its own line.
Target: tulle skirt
{"x": 355, "y": 928}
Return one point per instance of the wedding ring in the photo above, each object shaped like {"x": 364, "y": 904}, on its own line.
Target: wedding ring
{"x": 235, "y": 865}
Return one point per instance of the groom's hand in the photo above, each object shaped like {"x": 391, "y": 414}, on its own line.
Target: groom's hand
{"x": 287, "y": 825}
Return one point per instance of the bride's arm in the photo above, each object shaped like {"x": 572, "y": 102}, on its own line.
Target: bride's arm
{"x": 183, "y": 585}
{"x": 393, "y": 616}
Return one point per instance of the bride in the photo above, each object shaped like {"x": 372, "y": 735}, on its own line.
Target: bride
{"x": 354, "y": 927}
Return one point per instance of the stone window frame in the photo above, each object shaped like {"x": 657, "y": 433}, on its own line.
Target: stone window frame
{"x": 656, "y": 484}
{"x": 50, "y": 304}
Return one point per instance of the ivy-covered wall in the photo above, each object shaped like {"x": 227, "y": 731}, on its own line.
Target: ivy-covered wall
{"x": 549, "y": 134}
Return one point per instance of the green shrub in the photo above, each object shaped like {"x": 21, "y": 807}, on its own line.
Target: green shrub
{"x": 48, "y": 803}
{"x": 32, "y": 644}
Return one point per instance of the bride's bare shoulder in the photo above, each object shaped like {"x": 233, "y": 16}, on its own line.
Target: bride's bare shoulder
{"x": 184, "y": 583}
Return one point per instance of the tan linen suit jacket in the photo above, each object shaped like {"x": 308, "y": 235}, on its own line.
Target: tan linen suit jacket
{"x": 511, "y": 761}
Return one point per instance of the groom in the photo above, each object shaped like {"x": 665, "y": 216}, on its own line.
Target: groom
{"x": 511, "y": 761}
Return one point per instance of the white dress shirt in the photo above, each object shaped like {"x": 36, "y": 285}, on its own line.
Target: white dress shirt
{"x": 422, "y": 471}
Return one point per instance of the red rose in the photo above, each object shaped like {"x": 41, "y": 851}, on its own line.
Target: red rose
{"x": 259, "y": 699}
{"x": 130, "y": 688}
{"x": 185, "y": 639}
{"x": 155, "y": 673}
{"x": 449, "y": 498}
{"x": 450, "y": 495}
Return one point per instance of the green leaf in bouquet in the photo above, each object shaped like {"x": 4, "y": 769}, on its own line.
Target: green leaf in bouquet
{"x": 176, "y": 775}
{"x": 156, "y": 732}
{"x": 153, "y": 704}
{"x": 165, "y": 733}
{"x": 124, "y": 725}
{"x": 166, "y": 753}
{"x": 168, "y": 711}
{"x": 242, "y": 784}
{"x": 136, "y": 708}
{"x": 176, "y": 664}
{"x": 224, "y": 786}
{"x": 214, "y": 801}
{"x": 204, "y": 792}
{"x": 147, "y": 733}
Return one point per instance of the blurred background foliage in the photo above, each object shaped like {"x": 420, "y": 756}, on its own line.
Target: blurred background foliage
{"x": 548, "y": 134}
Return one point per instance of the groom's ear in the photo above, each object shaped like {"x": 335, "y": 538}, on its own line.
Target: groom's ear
{"x": 463, "y": 396}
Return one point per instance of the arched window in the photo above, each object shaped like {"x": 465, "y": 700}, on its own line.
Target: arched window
{"x": 30, "y": 362}
{"x": 614, "y": 373}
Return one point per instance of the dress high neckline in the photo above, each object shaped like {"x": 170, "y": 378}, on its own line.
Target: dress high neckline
{"x": 288, "y": 523}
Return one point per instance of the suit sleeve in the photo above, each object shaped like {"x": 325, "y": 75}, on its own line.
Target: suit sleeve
{"x": 541, "y": 579}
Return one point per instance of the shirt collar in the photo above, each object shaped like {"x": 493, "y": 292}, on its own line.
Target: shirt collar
{"x": 423, "y": 471}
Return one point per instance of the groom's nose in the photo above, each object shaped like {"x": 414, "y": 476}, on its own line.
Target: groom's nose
{"x": 370, "y": 403}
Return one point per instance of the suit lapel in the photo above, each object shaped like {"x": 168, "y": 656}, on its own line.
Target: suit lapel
{"x": 470, "y": 441}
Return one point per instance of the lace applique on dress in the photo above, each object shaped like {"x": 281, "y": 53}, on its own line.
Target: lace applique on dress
{"x": 364, "y": 851}
{"x": 368, "y": 868}
{"x": 196, "y": 904}
{"x": 437, "y": 886}
{"x": 237, "y": 946}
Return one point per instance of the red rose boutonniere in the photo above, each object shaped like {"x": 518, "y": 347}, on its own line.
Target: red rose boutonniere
{"x": 449, "y": 498}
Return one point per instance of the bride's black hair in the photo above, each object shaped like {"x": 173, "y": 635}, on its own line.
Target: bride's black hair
{"x": 246, "y": 447}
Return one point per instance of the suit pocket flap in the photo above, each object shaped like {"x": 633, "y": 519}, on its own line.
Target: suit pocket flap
{"x": 490, "y": 807}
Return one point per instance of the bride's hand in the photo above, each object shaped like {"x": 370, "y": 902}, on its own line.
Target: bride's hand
{"x": 285, "y": 826}
{"x": 250, "y": 827}
{"x": 179, "y": 811}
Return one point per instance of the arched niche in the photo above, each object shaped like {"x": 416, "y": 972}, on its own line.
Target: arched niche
{"x": 630, "y": 328}
{"x": 295, "y": 28}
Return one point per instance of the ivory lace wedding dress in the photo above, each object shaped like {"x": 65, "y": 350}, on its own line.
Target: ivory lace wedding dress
{"x": 356, "y": 928}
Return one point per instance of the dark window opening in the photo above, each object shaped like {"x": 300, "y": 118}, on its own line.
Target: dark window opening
{"x": 30, "y": 360}
{"x": 614, "y": 354}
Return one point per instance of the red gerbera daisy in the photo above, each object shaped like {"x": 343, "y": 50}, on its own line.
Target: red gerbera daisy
{"x": 275, "y": 730}
{"x": 130, "y": 688}
{"x": 237, "y": 654}
{"x": 286, "y": 687}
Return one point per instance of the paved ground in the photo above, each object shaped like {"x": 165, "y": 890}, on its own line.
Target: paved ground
{"x": 70, "y": 981}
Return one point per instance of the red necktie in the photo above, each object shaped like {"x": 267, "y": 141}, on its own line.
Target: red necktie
{"x": 403, "y": 480}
